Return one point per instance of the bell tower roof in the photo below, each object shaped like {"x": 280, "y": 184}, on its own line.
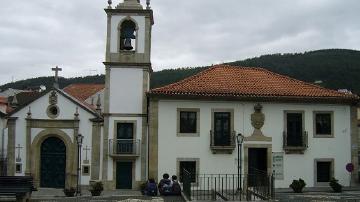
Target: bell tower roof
{"x": 130, "y": 4}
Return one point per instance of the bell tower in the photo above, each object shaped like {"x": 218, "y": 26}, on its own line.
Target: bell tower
{"x": 127, "y": 76}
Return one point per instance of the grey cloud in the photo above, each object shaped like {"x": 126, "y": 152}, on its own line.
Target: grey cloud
{"x": 37, "y": 35}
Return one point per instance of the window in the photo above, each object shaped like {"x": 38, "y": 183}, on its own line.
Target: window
{"x": 86, "y": 170}
{"x": 294, "y": 129}
{"x": 324, "y": 171}
{"x": 127, "y": 35}
{"x": 188, "y": 121}
{"x": 323, "y": 124}
{"x": 125, "y": 132}
{"x": 189, "y": 166}
{"x": 52, "y": 111}
{"x": 222, "y": 133}
{"x": 18, "y": 168}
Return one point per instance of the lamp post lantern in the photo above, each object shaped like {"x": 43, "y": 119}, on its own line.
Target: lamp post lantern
{"x": 79, "y": 140}
{"x": 239, "y": 140}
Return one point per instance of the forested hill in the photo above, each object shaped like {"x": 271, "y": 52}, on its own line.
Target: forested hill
{"x": 335, "y": 68}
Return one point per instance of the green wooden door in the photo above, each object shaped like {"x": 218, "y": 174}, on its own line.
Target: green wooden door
{"x": 124, "y": 175}
{"x": 53, "y": 163}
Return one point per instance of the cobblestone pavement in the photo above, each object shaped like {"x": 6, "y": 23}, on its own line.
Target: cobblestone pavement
{"x": 346, "y": 196}
{"x": 57, "y": 195}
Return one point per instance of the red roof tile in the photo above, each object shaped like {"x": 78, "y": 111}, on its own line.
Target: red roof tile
{"x": 83, "y": 91}
{"x": 232, "y": 81}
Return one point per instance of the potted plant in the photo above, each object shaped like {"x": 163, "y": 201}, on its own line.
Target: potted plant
{"x": 69, "y": 192}
{"x": 96, "y": 188}
{"x": 143, "y": 187}
{"x": 297, "y": 185}
{"x": 334, "y": 184}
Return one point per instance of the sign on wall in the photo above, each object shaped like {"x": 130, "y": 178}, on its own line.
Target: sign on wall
{"x": 278, "y": 165}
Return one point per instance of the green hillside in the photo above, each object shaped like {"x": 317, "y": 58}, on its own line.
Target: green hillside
{"x": 336, "y": 68}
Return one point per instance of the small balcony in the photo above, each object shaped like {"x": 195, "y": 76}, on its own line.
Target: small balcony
{"x": 295, "y": 144}
{"x": 223, "y": 143}
{"x": 124, "y": 148}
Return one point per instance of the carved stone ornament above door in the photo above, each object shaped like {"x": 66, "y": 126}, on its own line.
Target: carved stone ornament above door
{"x": 257, "y": 121}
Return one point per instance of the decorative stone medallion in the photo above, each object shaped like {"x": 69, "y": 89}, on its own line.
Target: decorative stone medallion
{"x": 53, "y": 110}
{"x": 53, "y": 98}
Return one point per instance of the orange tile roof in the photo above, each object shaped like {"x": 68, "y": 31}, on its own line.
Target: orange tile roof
{"x": 3, "y": 100}
{"x": 83, "y": 91}
{"x": 247, "y": 82}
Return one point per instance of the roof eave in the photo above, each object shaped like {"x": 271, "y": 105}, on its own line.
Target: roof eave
{"x": 257, "y": 98}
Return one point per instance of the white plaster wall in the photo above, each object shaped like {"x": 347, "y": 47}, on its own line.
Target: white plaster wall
{"x": 140, "y": 43}
{"x": 172, "y": 147}
{"x": 112, "y": 135}
{"x": 67, "y": 110}
{"x": 126, "y": 90}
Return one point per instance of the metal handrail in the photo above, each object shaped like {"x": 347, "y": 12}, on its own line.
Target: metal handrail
{"x": 213, "y": 187}
{"x": 303, "y": 143}
{"x": 232, "y": 139}
{"x": 124, "y": 147}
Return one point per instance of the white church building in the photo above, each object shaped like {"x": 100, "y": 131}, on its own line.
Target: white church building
{"x": 131, "y": 133}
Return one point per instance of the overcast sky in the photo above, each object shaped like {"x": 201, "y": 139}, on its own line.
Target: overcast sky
{"x": 36, "y": 35}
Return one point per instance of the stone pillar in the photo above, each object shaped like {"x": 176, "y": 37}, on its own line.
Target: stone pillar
{"x": 354, "y": 144}
{"x": 95, "y": 148}
{"x": 153, "y": 139}
{"x": 73, "y": 160}
{"x": 144, "y": 141}
{"x": 105, "y": 149}
{"x": 28, "y": 147}
{"x": 11, "y": 146}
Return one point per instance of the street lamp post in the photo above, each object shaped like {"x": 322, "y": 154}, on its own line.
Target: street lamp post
{"x": 239, "y": 140}
{"x": 79, "y": 140}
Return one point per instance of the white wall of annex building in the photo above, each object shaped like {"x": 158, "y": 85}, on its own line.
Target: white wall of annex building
{"x": 172, "y": 147}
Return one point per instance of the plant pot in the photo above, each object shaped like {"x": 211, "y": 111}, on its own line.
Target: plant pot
{"x": 95, "y": 192}
{"x": 69, "y": 193}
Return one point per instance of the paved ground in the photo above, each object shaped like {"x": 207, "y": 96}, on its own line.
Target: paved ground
{"x": 57, "y": 195}
{"x": 316, "y": 195}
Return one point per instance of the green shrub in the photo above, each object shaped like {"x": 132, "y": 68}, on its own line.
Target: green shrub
{"x": 297, "y": 185}
{"x": 96, "y": 188}
{"x": 69, "y": 192}
{"x": 335, "y": 185}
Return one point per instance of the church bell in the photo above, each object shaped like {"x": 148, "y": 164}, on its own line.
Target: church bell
{"x": 127, "y": 44}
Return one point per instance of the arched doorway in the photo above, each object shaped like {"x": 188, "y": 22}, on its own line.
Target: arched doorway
{"x": 53, "y": 163}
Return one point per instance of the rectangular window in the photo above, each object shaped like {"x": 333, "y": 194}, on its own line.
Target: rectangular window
{"x": 125, "y": 130}
{"x": 222, "y": 128}
{"x": 294, "y": 128}
{"x": 86, "y": 170}
{"x": 323, "y": 124}
{"x": 187, "y": 122}
{"x": 189, "y": 166}
{"x": 18, "y": 168}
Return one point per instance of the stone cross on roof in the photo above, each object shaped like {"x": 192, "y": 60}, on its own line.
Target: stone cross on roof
{"x": 56, "y": 70}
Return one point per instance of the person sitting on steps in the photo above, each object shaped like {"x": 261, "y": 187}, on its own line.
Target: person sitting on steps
{"x": 151, "y": 188}
{"x": 165, "y": 185}
{"x": 176, "y": 189}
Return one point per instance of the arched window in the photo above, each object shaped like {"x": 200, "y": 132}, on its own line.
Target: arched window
{"x": 127, "y": 35}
